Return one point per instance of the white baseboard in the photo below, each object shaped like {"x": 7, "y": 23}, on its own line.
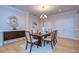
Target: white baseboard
{"x": 71, "y": 38}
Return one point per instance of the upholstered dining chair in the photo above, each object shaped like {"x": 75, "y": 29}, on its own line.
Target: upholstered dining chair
{"x": 30, "y": 40}
{"x": 55, "y": 37}
{"x": 49, "y": 39}
{"x": 52, "y": 38}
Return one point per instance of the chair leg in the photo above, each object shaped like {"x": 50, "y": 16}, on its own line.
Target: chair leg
{"x": 54, "y": 43}
{"x": 51, "y": 45}
{"x": 56, "y": 40}
{"x": 26, "y": 45}
{"x": 37, "y": 46}
{"x": 44, "y": 42}
{"x": 30, "y": 47}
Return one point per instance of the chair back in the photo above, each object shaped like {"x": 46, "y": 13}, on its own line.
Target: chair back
{"x": 28, "y": 36}
{"x": 55, "y": 36}
{"x": 52, "y": 35}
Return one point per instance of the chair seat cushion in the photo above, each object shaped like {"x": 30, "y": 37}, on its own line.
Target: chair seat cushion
{"x": 34, "y": 40}
{"x": 47, "y": 39}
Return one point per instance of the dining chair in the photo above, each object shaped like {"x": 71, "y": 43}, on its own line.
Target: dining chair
{"x": 52, "y": 38}
{"x": 55, "y": 37}
{"x": 30, "y": 40}
{"x": 49, "y": 39}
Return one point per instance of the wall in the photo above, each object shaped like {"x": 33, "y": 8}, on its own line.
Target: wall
{"x": 50, "y": 23}
{"x": 5, "y": 12}
{"x": 66, "y": 23}
{"x": 76, "y": 25}
{"x": 33, "y": 19}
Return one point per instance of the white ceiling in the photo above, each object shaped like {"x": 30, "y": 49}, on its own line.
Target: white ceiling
{"x": 49, "y": 9}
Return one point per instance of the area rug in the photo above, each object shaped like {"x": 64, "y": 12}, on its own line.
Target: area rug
{"x": 43, "y": 49}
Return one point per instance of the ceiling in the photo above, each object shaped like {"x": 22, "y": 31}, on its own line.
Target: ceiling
{"x": 48, "y": 9}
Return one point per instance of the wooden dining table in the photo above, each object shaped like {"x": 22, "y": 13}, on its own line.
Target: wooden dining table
{"x": 40, "y": 37}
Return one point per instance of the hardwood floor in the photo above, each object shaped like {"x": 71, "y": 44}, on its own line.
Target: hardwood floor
{"x": 63, "y": 46}
{"x": 13, "y": 47}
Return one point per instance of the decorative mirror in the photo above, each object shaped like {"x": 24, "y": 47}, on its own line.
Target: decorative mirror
{"x": 13, "y": 22}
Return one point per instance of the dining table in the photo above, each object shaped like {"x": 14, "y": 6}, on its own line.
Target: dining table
{"x": 40, "y": 37}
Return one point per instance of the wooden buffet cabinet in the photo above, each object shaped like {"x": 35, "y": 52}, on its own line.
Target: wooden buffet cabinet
{"x": 13, "y": 34}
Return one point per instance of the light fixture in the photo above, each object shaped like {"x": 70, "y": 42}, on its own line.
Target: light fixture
{"x": 43, "y": 15}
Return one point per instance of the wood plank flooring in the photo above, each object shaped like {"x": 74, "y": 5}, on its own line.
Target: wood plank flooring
{"x": 13, "y": 47}
{"x": 63, "y": 46}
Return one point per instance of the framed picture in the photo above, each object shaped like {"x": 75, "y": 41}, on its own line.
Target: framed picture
{"x": 13, "y": 22}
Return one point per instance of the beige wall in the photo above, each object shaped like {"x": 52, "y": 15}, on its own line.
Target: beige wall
{"x": 33, "y": 18}
{"x": 38, "y": 24}
{"x": 6, "y": 12}
{"x": 76, "y": 25}
{"x": 66, "y": 23}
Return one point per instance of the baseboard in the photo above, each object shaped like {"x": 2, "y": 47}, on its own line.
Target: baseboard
{"x": 71, "y": 38}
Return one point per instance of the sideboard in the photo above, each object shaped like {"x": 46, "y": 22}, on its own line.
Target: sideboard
{"x": 9, "y": 35}
{"x": 13, "y": 34}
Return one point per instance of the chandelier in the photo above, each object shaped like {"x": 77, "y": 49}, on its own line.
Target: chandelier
{"x": 43, "y": 15}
